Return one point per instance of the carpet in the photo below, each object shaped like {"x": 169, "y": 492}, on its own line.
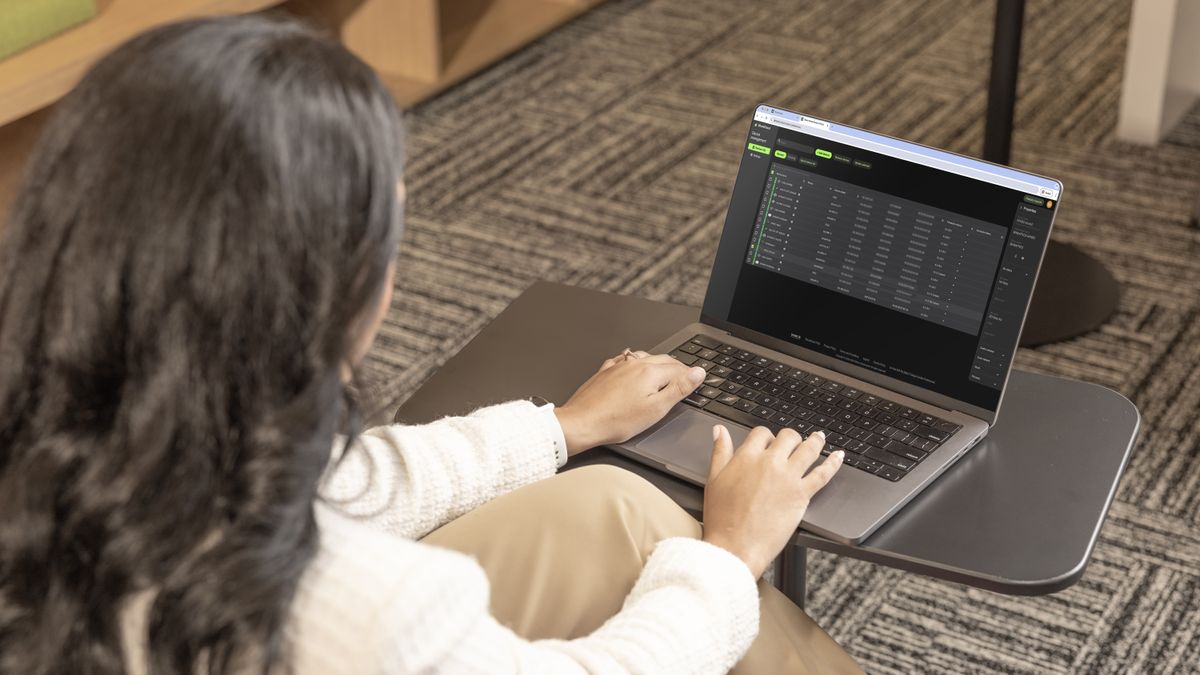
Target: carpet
{"x": 603, "y": 155}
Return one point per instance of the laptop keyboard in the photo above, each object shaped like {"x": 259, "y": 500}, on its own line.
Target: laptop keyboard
{"x": 878, "y": 436}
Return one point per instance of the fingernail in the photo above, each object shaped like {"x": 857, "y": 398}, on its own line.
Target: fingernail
{"x": 838, "y": 455}
{"x": 696, "y": 375}
{"x": 716, "y": 431}
{"x": 820, "y": 433}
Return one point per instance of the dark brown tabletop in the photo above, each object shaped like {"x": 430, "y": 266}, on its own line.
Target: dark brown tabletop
{"x": 1018, "y": 514}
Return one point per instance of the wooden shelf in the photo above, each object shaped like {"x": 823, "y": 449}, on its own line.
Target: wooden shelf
{"x": 38, "y": 76}
{"x": 420, "y": 47}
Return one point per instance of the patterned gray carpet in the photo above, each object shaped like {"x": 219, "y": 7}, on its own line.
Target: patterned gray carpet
{"x": 602, "y": 156}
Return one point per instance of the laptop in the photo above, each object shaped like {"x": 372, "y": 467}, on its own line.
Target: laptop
{"x": 866, "y": 286}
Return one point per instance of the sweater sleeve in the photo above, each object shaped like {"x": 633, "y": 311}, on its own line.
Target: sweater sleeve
{"x": 409, "y": 480}
{"x": 694, "y": 609}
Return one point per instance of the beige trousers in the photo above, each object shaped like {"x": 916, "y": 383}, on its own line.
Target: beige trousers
{"x": 562, "y": 554}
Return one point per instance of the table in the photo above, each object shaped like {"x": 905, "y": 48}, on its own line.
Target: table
{"x": 1019, "y": 514}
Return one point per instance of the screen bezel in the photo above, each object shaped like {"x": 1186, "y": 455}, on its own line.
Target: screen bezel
{"x": 729, "y": 249}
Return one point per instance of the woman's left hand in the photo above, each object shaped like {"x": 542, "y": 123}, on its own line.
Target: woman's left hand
{"x": 630, "y": 392}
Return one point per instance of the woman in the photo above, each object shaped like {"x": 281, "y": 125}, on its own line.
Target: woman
{"x": 199, "y": 258}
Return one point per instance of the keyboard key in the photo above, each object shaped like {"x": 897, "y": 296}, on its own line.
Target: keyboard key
{"x": 768, "y": 400}
{"x": 867, "y": 464}
{"x": 721, "y": 371}
{"x": 931, "y": 433}
{"x": 729, "y": 350}
{"x": 907, "y": 425}
{"x": 705, "y": 341}
{"x": 714, "y": 380}
{"x": 815, "y": 380}
{"x": 708, "y": 354}
{"x": 870, "y": 400}
{"x": 764, "y": 412}
{"x": 696, "y": 400}
{"x": 840, "y": 427}
{"x": 785, "y": 407}
{"x": 751, "y": 395}
{"x": 802, "y": 427}
{"x": 781, "y": 369}
{"x": 731, "y": 387}
{"x": 927, "y": 420}
{"x": 848, "y": 417}
{"x": 908, "y": 413}
{"x": 906, "y": 451}
{"x": 831, "y": 386}
{"x": 724, "y": 360}
{"x": 710, "y": 392}
{"x": 744, "y": 355}
{"x": 740, "y": 378}
{"x": 782, "y": 419}
{"x": 851, "y": 392}
{"x": 887, "y": 458}
{"x": 683, "y": 357}
{"x": 762, "y": 362}
{"x": 745, "y": 405}
{"x": 886, "y": 417}
{"x": 741, "y": 366}
{"x": 889, "y": 473}
{"x": 948, "y": 427}
{"x": 690, "y": 348}
{"x": 888, "y": 406}
{"x": 704, "y": 364}
{"x": 728, "y": 399}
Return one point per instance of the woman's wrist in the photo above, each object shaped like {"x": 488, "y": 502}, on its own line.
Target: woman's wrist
{"x": 574, "y": 429}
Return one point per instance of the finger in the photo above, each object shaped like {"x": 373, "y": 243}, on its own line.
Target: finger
{"x": 640, "y": 354}
{"x": 785, "y": 442}
{"x": 808, "y": 451}
{"x": 722, "y": 451}
{"x": 819, "y": 477}
{"x": 757, "y": 441}
{"x": 674, "y": 382}
{"x": 609, "y": 363}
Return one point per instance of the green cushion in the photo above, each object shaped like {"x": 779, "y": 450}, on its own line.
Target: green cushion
{"x": 27, "y": 22}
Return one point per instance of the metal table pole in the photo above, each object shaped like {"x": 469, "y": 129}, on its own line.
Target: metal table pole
{"x": 1074, "y": 293}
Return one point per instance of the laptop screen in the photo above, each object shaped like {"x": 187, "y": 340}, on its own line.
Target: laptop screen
{"x": 903, "y": 260}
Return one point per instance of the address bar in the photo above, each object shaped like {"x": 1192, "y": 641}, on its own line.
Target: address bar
{"x": 823, "y": 129}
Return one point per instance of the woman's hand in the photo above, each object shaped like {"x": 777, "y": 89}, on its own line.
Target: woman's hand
{"x": 630, "y": 392}
{"x": 757, "y": 495}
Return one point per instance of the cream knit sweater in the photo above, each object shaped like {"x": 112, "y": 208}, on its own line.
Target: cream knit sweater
{"x": 376, "y": 601}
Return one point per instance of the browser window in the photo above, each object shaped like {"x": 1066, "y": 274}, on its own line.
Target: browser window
{"x": 908, "y": 261}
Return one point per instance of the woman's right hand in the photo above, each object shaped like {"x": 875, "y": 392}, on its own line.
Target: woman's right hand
{"x": 757, "y": 495}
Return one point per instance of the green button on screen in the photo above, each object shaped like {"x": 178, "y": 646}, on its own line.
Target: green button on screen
{"x": 824, "y": 153}
{"x": 781, "y": 154}
{"x": 760, "y": 148}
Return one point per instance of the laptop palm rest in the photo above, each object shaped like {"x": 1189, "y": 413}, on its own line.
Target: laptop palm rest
{"x": 684, "y": 445}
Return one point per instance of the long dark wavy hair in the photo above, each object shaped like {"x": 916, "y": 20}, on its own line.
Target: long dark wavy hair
{"x": 204, "y": 225}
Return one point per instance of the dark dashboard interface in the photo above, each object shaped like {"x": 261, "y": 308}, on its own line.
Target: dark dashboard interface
{"x": 915, "y": 272}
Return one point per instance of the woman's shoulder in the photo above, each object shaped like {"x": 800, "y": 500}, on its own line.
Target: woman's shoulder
{"x": 368, "y": 594}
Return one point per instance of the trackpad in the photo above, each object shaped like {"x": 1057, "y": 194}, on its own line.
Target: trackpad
{"x": 686, "y": 442}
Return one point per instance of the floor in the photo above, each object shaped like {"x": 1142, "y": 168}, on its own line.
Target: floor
{"x": 603, "y": 155}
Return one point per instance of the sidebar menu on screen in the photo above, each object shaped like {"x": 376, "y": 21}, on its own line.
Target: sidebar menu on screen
{"x": 1014, "y": 283}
